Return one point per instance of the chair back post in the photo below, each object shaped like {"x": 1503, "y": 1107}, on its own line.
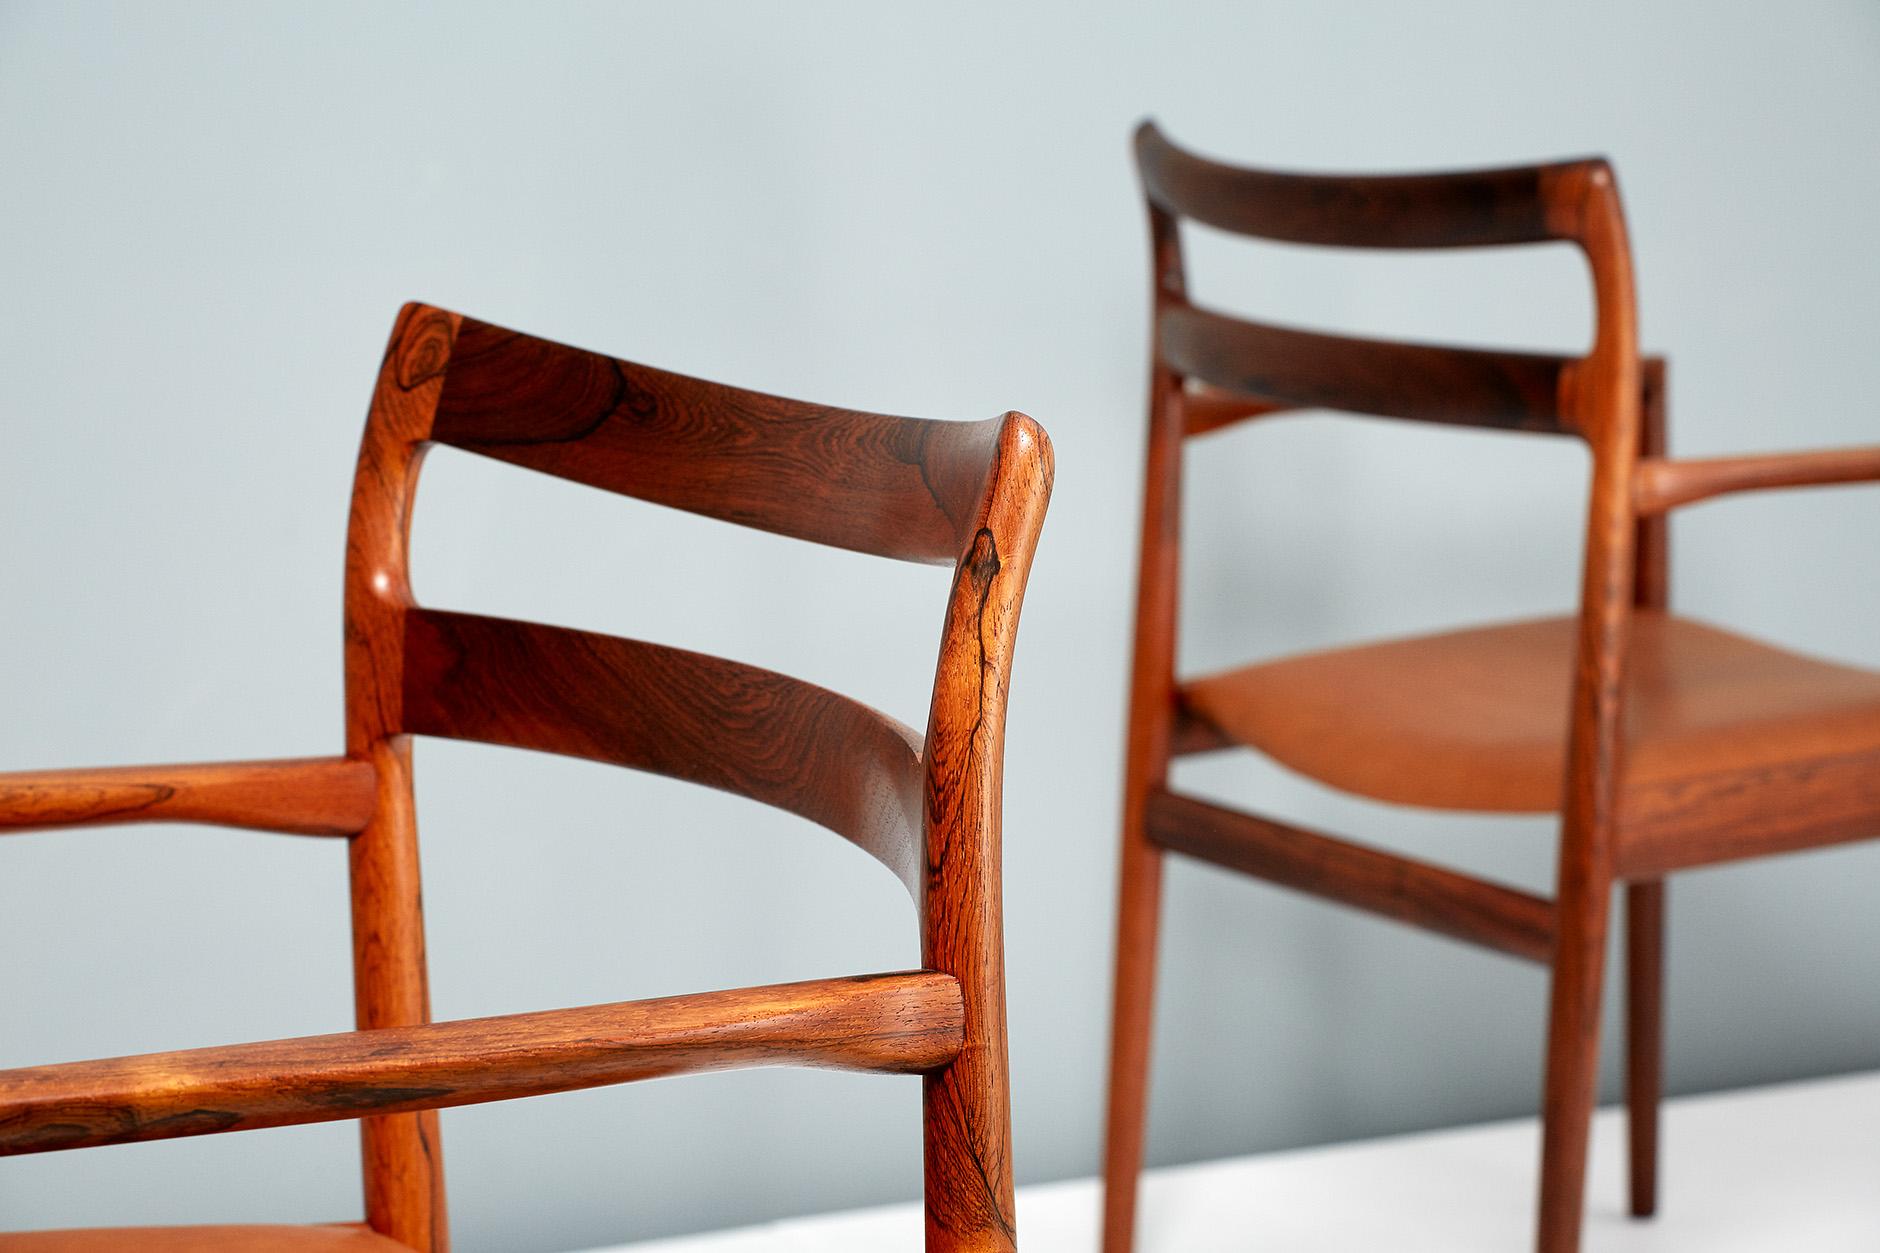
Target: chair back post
{"x": 967, "y": 1110}
{"x": 1152, "y": 715}
{"x": 400, "y": 1153}
{"x": 1158, "y": 577}
{"x": 1601, "y": 397}
{"x": 1654, "y": 532}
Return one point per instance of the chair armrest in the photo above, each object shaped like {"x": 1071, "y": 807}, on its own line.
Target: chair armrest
{"x": 1662, "y": 484}
{"x": 904, "y": 1023}
{"x": 301, "y": 796}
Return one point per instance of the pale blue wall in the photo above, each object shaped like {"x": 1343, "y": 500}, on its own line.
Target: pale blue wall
{"x": 209, "y": 213}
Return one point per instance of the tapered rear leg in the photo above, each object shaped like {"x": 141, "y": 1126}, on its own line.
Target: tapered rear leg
{"x": 1645, "y": 1025}
{"x": 1138, "y": 916}
{"x": 1572, "y": 1055}
{"x": 967, "y": 1120}
{"x": 1645, "y": 901}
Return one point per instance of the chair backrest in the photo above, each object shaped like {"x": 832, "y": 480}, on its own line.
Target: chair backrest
{"x": 970, "y": 495}
{"x": 1286, "y": 368}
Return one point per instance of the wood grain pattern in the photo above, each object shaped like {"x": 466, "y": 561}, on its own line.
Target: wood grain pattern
{"x": 401, "y": 1155}
{"x": 1783, "y": 807}
{"x": 967, "y": 1106}
{"x": 298, "y": 796}
{"x": 1664, "y": 484}
{"x": 733, "y": 727}
{"x": 895, "y": 1023}
{"x": 895, "y": 487}
{"x": 969, "y": 494}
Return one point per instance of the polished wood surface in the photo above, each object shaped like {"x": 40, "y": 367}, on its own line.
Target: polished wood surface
{"x": 1645, "y": 898}
{"x": 968, "y": 1145}
{"x": 673, "y": 712}
{"x": 234, "y": 1238}
{"x": 895, "y": 1023}
{"x": 1665, "y": 484}
{"x": 1662, "y": 742}
{"x": 1397, "y": 887}
{"x": 1314, "y": 370}
{"x": 971, "y": 495}
{"x": 896, "y": 487}
{"x": 1477, "y": 719}
{"x": 306, "y": 796}
{"x": 1462, "y": 209}
{"x": 401, "y": 1155}
{"x": 1206, "y": 408}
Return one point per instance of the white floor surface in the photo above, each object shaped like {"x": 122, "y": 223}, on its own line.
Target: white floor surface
{"x": 1787, "y": 1169}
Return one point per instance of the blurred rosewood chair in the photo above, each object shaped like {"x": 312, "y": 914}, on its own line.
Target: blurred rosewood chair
{"x": 1661, "y": 742}
{"x": 968, "y": 495}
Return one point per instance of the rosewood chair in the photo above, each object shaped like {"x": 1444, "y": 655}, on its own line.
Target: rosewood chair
{"x": 1662, "y": 743}
{"x": 968, "y": 495}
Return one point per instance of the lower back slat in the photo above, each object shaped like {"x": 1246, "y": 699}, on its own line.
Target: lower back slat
{"x": 691, "y": 716}
{"x": 1288, "y": 367}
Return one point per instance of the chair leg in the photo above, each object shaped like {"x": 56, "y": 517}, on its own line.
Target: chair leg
{"x": 1138, "y": 915}
{"x": 967, "y": 1134}
{"x": 1572, "y": 1056}
{"x": 1645, "y": 1026}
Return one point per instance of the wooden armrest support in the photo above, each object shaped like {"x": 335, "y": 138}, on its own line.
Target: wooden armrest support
{"x": 1206, "y": 408}
{"x": 897, "y": 1023}
{"x": 1663, "y": 484}
{"x": 302, "y": 796}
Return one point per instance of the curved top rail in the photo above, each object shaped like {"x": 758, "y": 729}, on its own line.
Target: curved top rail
{"x": 896, "y": 487}
{"x": 1457, "y": 209}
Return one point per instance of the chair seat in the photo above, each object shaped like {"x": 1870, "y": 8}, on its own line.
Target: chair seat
{"x": 1477, "y": 719}
{"x": 333, "y": 1238}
